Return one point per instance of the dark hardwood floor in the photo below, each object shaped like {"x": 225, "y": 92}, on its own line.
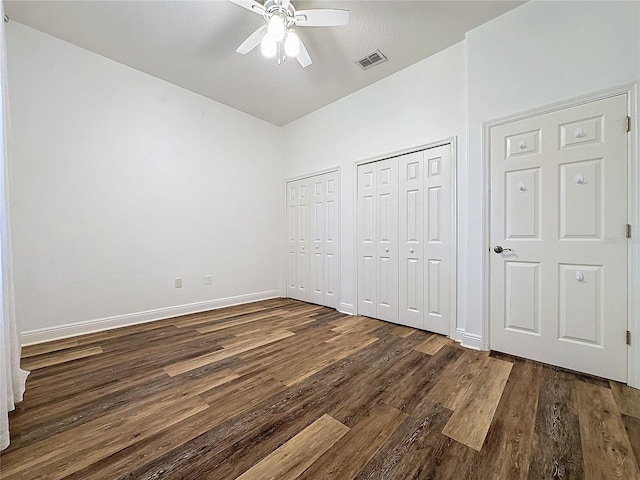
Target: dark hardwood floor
{"x": 281, "y": 389}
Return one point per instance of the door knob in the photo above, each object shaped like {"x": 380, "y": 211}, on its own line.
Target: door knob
{"x": 317, "y": 247}
{"x": 303, "y": 247}
{"x": 411, "y": 250}
{"x": 499, "y": 249}
{"x": 386, "y": 250}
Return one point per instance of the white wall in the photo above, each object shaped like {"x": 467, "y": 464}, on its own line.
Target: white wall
{"x": 535, "y": 55}
{"x": 422, "y": 104}
{"x": 121, "y": 182}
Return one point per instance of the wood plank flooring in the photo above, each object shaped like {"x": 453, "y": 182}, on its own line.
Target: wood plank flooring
{"x": 282, "y": 389}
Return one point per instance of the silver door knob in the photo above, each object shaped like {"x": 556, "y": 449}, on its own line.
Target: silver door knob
{"x": 499, "y": 249}
{"x": 411, "y": 250}
{"x": 317, "y": 247}
{"x": 386, "y": 250}
{"x": 303, "y": 247}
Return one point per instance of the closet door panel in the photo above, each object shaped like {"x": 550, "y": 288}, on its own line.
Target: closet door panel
{"x": 387, "y": 239}
{"x": 304, "y": 205}
{"x": 292, "y": 240}
{"x": 331, "y": 240}
{"x": 411, "y": 232}
{"x": 316, "y": 235}
{"x": 367, "y": 246}
{"x": 438, "y": 242}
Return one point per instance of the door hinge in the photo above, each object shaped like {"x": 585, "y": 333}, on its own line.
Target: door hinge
{"x": 627, "y": 231}
{"x": 628, "y": 124}
{"x": 628, "y": 337}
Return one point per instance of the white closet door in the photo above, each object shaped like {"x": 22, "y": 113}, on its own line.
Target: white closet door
{"x": 317, "y": 233}
{"x": 331, "y": 241}
{"x": 313, "y": 258}
{"x": 367, "y": 297}
{"x": 387, "y": 239}
{"x": 304, "y": 205}
{"x": 438, "y": 240}
{"x": 292, "y": 240}
{"x": 378, "y": 240}
{"x": 411, "y": 234}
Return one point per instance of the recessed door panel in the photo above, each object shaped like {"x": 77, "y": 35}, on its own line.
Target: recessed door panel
{"x": 522, "y": 207}
{"x": 433, "y": 209}
{"x": 581, "y": 200}
{"x": 292, "y": 273}
{"x": 522, "y": 297}
{"x": 385, "y": 226}
{"x": 435, "y": 290}
{"x": 581, "y": 132}
{"x": 520, "y": 144}
{"x": 368, "y": 281}
{"x": 581, "y": 303}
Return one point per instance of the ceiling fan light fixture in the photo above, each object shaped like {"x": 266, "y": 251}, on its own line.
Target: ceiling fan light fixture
{"x": 292, "y": 44}
{"x": 275, "y": 28}
{"x": 268, "y": 47}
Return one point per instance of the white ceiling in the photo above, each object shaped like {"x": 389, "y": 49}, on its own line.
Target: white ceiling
{"x": 192, "y": 44}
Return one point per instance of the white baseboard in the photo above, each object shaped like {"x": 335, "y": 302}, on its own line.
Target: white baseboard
{"x": 469, "y": 340}
{"x": 90, "y": 326}
{"x": 346, "y": 308}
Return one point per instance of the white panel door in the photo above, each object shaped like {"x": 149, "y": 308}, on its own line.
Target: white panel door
{"x": 378, "y": 240}
{"x": 316, "y": 235}
{"x": 331, "y": 245}
{"x": 387, "y": 239}
{"x": 438, "y": 239}
{"x": 292, "y": 240}
{"x": 313, "y": 259}
{"x": 367, "y": 243}
{"x": 411, "y": 236}
{"x": 558, "y": 209}
{"x": 304, "y": 206}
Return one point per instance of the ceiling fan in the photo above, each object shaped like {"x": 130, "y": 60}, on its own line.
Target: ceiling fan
{"x": 278, "y": 38}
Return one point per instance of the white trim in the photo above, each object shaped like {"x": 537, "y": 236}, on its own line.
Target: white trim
{"x": 40, "y": 335}
{"x": 314, "y": 174}
{"x": 633, "y": 283}
{"x": 453, "y": 145}
{"x": 469, "y": 340}
{"x": 633, "y": 369}
{"x": 346, "y": 308}
{"x": 283, "y": 229}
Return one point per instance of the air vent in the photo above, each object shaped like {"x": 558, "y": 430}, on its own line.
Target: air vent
{"x": 374, "y": 58}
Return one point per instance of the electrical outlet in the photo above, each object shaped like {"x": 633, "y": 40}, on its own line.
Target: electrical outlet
{"x": 178, "y": 283}
{"x": 208, "y": 280}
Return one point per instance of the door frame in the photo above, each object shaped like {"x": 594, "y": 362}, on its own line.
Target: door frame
{"x": 283, "y": 223}
{"x": 633, "y": 214}
{"x": 453, "y": 144}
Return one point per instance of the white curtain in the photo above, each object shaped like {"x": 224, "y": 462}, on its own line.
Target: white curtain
{"x": 12, "y": 378}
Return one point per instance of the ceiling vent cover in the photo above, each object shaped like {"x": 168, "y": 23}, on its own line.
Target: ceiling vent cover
{"x": 374, "y": 58}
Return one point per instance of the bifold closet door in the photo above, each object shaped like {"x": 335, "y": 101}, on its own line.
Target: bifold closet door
{"x": 298, "y": 239}
{"x": 312, "y": 239}
{"x": 378, "y": 239}
{"x": 439, "y": 254}
{"x": 411, "y": 234}
{"x": 405, "y": 242}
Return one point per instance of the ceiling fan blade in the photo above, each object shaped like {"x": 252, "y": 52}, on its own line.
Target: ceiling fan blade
{"x": 325, "y": 17}
{"x": 285, "y": 4}
{"x": 251, "y": 5}
{"x": 252, "y": 41}
{"x": 303, "y": 57}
